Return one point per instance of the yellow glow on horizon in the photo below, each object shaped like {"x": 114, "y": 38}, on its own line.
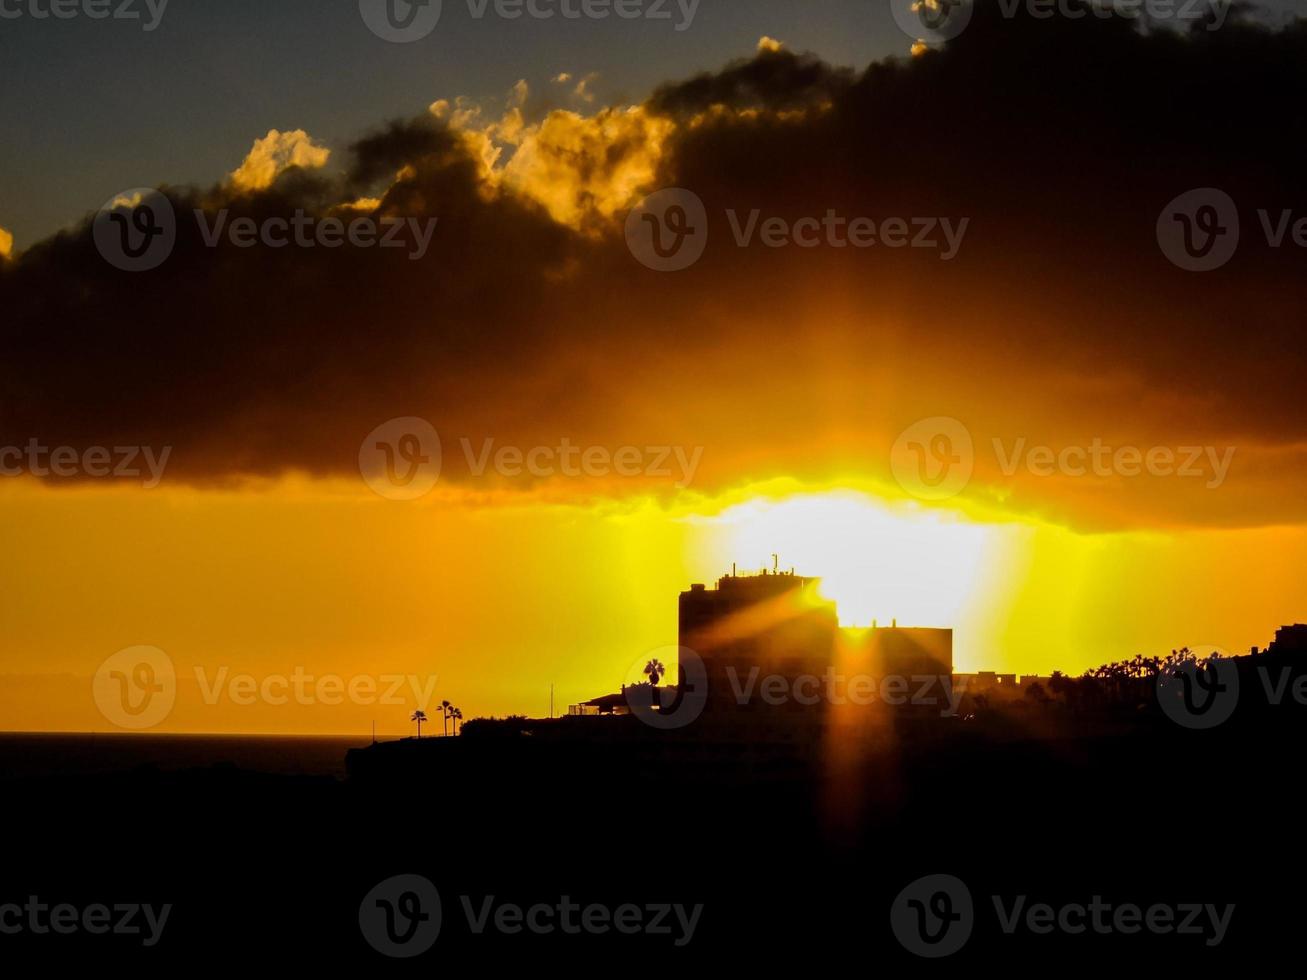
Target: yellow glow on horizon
{"x": 502, "y": 595}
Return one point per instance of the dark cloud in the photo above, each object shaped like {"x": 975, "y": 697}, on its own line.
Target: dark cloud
{"x": 1059, "y": 320}
{"x": 379, "y": 156}
{"x": 775, "y": 80}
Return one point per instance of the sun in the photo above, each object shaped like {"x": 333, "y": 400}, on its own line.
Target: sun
{"x": 878, "y": 561}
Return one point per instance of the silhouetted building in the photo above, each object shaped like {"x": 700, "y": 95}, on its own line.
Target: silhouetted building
{"x": 619, "y": 704}
{"x": 992, "y": 684}
{"x": 764, "y": 638}
{"x": 1289, "y": 639}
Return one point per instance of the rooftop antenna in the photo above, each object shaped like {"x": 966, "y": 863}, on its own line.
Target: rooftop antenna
{"x": 775, "y": 564}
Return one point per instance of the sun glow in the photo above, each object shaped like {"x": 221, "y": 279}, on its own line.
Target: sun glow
{"x": 878, "y": 562}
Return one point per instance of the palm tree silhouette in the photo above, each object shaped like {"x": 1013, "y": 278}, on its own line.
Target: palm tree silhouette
{"x": 654, "y": 670}
{"x": 419, "y": 717}
{"x": 445, "y": 709}
{"x": 457, "y": 715}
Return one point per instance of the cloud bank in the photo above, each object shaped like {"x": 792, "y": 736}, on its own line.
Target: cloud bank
{"x": 1059, "y": 320}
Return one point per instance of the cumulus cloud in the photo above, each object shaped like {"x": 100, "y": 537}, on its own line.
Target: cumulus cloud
{"x": 276, "y": 153}
{"x": 584, "y": 169}
{"x": 581, "y": 168}
{"x": 1058, "y": 322}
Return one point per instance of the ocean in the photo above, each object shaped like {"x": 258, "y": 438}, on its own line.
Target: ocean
{"x": 41, "y": 754}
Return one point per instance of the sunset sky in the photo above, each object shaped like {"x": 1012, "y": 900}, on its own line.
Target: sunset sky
{"x": 769, "y": 397}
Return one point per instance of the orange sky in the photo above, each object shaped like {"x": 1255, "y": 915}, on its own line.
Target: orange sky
{"x": 487, "y": 604}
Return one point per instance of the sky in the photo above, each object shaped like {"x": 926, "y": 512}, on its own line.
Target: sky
{"x": 98, "y": 106}
{"x": 1037, "y": 428}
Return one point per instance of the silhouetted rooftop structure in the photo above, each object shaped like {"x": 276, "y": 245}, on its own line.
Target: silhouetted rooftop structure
{"x": 1289, "y": 639}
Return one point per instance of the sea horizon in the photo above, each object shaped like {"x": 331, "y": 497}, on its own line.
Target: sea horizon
{"x": 34, "y": 754}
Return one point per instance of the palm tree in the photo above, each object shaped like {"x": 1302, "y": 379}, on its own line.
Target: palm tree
{"x": 445, "y": 708}
{"x": 457, "y": 715}
{"x": 419, "y": 717}
{"x": 654, "y": 670}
